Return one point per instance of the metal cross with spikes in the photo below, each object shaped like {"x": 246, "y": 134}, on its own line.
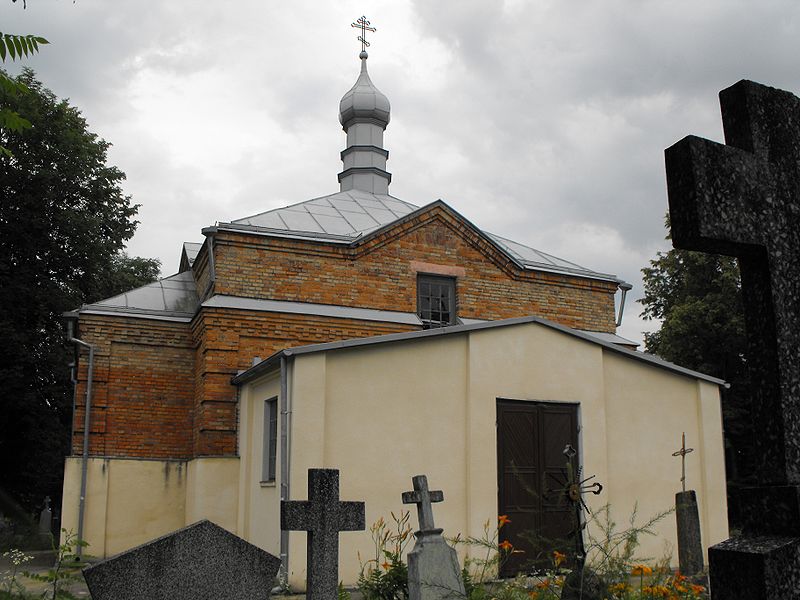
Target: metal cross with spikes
{"x": 572, "y": 490}
{"x": 362, "y": 24}
{"x": 682, "y": 453}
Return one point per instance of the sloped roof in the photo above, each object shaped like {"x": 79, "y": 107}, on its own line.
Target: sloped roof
{"x": 345, "y": 217}
{"x": 351, "y": 214}
{"x": 266, "y": 365}
{"x": 170, "y": 298}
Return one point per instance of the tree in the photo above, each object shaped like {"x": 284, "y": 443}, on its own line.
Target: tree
{"x": 698, "y": 298}
{"x": 15, "y": 46}
{"x": 64, "y": 221}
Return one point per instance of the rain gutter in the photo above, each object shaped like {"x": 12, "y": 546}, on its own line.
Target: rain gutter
{"x": 88, "y": 412}
{"x": 624, "y": 288}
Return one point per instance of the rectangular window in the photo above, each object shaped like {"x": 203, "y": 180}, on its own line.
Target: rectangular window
{"x": 270, "y": 439}
{"x": 436, "y": 301}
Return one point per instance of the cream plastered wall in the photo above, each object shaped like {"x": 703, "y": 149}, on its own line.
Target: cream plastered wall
{"x": 259, "y": 502}
{"x": 130, "y": 502}
{"x": 384, "y": 413}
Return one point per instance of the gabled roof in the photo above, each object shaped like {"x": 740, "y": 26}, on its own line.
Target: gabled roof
{"x": 267, "y": 365}
{"x": 349, "y": 217}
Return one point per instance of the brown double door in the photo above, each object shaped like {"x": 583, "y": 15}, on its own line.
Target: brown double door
{"x": 531, "y": 437}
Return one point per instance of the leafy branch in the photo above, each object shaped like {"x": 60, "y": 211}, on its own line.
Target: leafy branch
{"x": 14, "y": 47}
{"x": 17, "y": 46}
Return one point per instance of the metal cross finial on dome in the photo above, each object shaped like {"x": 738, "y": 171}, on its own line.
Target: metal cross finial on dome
{"x": 682, "y": 453}
{"x": 362, "y": 24}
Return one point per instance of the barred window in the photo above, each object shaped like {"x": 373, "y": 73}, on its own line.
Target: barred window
{"x": 270, "y": 439}
{"x": 436, "y": 301}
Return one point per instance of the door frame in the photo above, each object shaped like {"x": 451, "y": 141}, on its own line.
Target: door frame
{"x": 519, "y": 402}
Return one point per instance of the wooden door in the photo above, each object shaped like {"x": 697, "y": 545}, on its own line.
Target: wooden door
{"x": 531, "y": 437}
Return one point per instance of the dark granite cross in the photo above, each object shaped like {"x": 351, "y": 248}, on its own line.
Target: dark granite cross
{"x": 423, "y": 498}
{"x": 743, "y": 199}
{"x": 323, "y": 516}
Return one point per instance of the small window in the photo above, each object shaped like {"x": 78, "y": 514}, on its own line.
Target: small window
{"x": 436, "y": 301}
{"x": 270, "y": 439}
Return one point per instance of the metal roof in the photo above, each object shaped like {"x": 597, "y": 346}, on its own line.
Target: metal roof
{"x": 174, "y": 296}
{"x": 308, "y": 308}
{"x": 268, "y": 364}
{"x": 350, "y": 214}
{"x": 344, "y": 217}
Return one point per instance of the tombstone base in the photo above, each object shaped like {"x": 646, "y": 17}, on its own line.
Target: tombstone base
{"x": 756, "y": 568}
{"x": 433, "y": 570}
{"x": 690, "y": 547}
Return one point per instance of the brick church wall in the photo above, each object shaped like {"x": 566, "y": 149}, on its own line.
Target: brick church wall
{"x": 382, "y": 274}
{"x": 142, "y": 391}
{"x": 162, "y": 389}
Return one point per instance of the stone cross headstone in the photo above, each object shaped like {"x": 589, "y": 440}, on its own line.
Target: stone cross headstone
{"x": 46, "y": 519}
{"x": 200, "y": 562}
{"x": 323, "y": 516}
{"x": 690, "y": 546}
{"x": 433, "y": 570}
{"x": 743, "y": 199}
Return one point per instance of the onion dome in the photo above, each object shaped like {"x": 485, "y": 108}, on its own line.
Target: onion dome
{"x": 364, "y": 102}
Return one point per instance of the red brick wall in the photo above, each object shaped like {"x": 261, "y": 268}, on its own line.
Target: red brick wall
{"x": 143, "y": 389}
{"x": 381, "y": 274}
{"x": 162, "y": 390}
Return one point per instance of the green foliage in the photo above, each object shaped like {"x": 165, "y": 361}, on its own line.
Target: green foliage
{"x": 63, "y": 222}
{"x": 17, "y": 46}
{"x": 66, "y": 571}
{"x": 699, "y": 298}
{"x": 10, "y": 584}
{"x": 385, "y": 576}
{"x": 612, "y": 555}
{"x": 341, "y": 593}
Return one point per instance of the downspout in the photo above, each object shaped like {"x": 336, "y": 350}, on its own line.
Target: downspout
{"x": 624, "y": 288}
{"x": 286, "y": 412}
{"x": 85, "y": 457}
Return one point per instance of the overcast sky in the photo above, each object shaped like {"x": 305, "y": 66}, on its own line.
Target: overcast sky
{"x": 543, "y": 121}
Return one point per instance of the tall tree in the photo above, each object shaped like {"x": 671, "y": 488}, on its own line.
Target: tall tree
{"x": 697, "y": 296}
{"x": 63, "y": 222}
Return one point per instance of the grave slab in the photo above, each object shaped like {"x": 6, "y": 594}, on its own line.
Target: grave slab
{"x": 200, "y": 562}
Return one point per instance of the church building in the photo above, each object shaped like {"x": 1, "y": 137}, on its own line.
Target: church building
{"x": 361, "y": 332}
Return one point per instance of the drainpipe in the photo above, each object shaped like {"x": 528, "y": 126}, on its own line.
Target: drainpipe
{"x": 624, "y": 288}
{"x": 286, "y": 412}
{"x": 85, "y": 457}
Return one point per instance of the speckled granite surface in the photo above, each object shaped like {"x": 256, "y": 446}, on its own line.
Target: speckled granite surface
{"x": 743, "y": 199}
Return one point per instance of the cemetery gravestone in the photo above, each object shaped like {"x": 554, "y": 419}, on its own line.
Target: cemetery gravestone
{"x": 690, "y": 547}
{"x": 199, "y": 562}
{"x": 46, "y": 519}
{"x": 433, "y": 570}
{"x": 323, "y": 516}
{"x": 743, "y": 199}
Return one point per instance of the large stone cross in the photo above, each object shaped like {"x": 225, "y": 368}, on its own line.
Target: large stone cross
{"x": 743, "y": 199}
{"x": 423, "y": 498}
{"x": 323, "y": 516}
